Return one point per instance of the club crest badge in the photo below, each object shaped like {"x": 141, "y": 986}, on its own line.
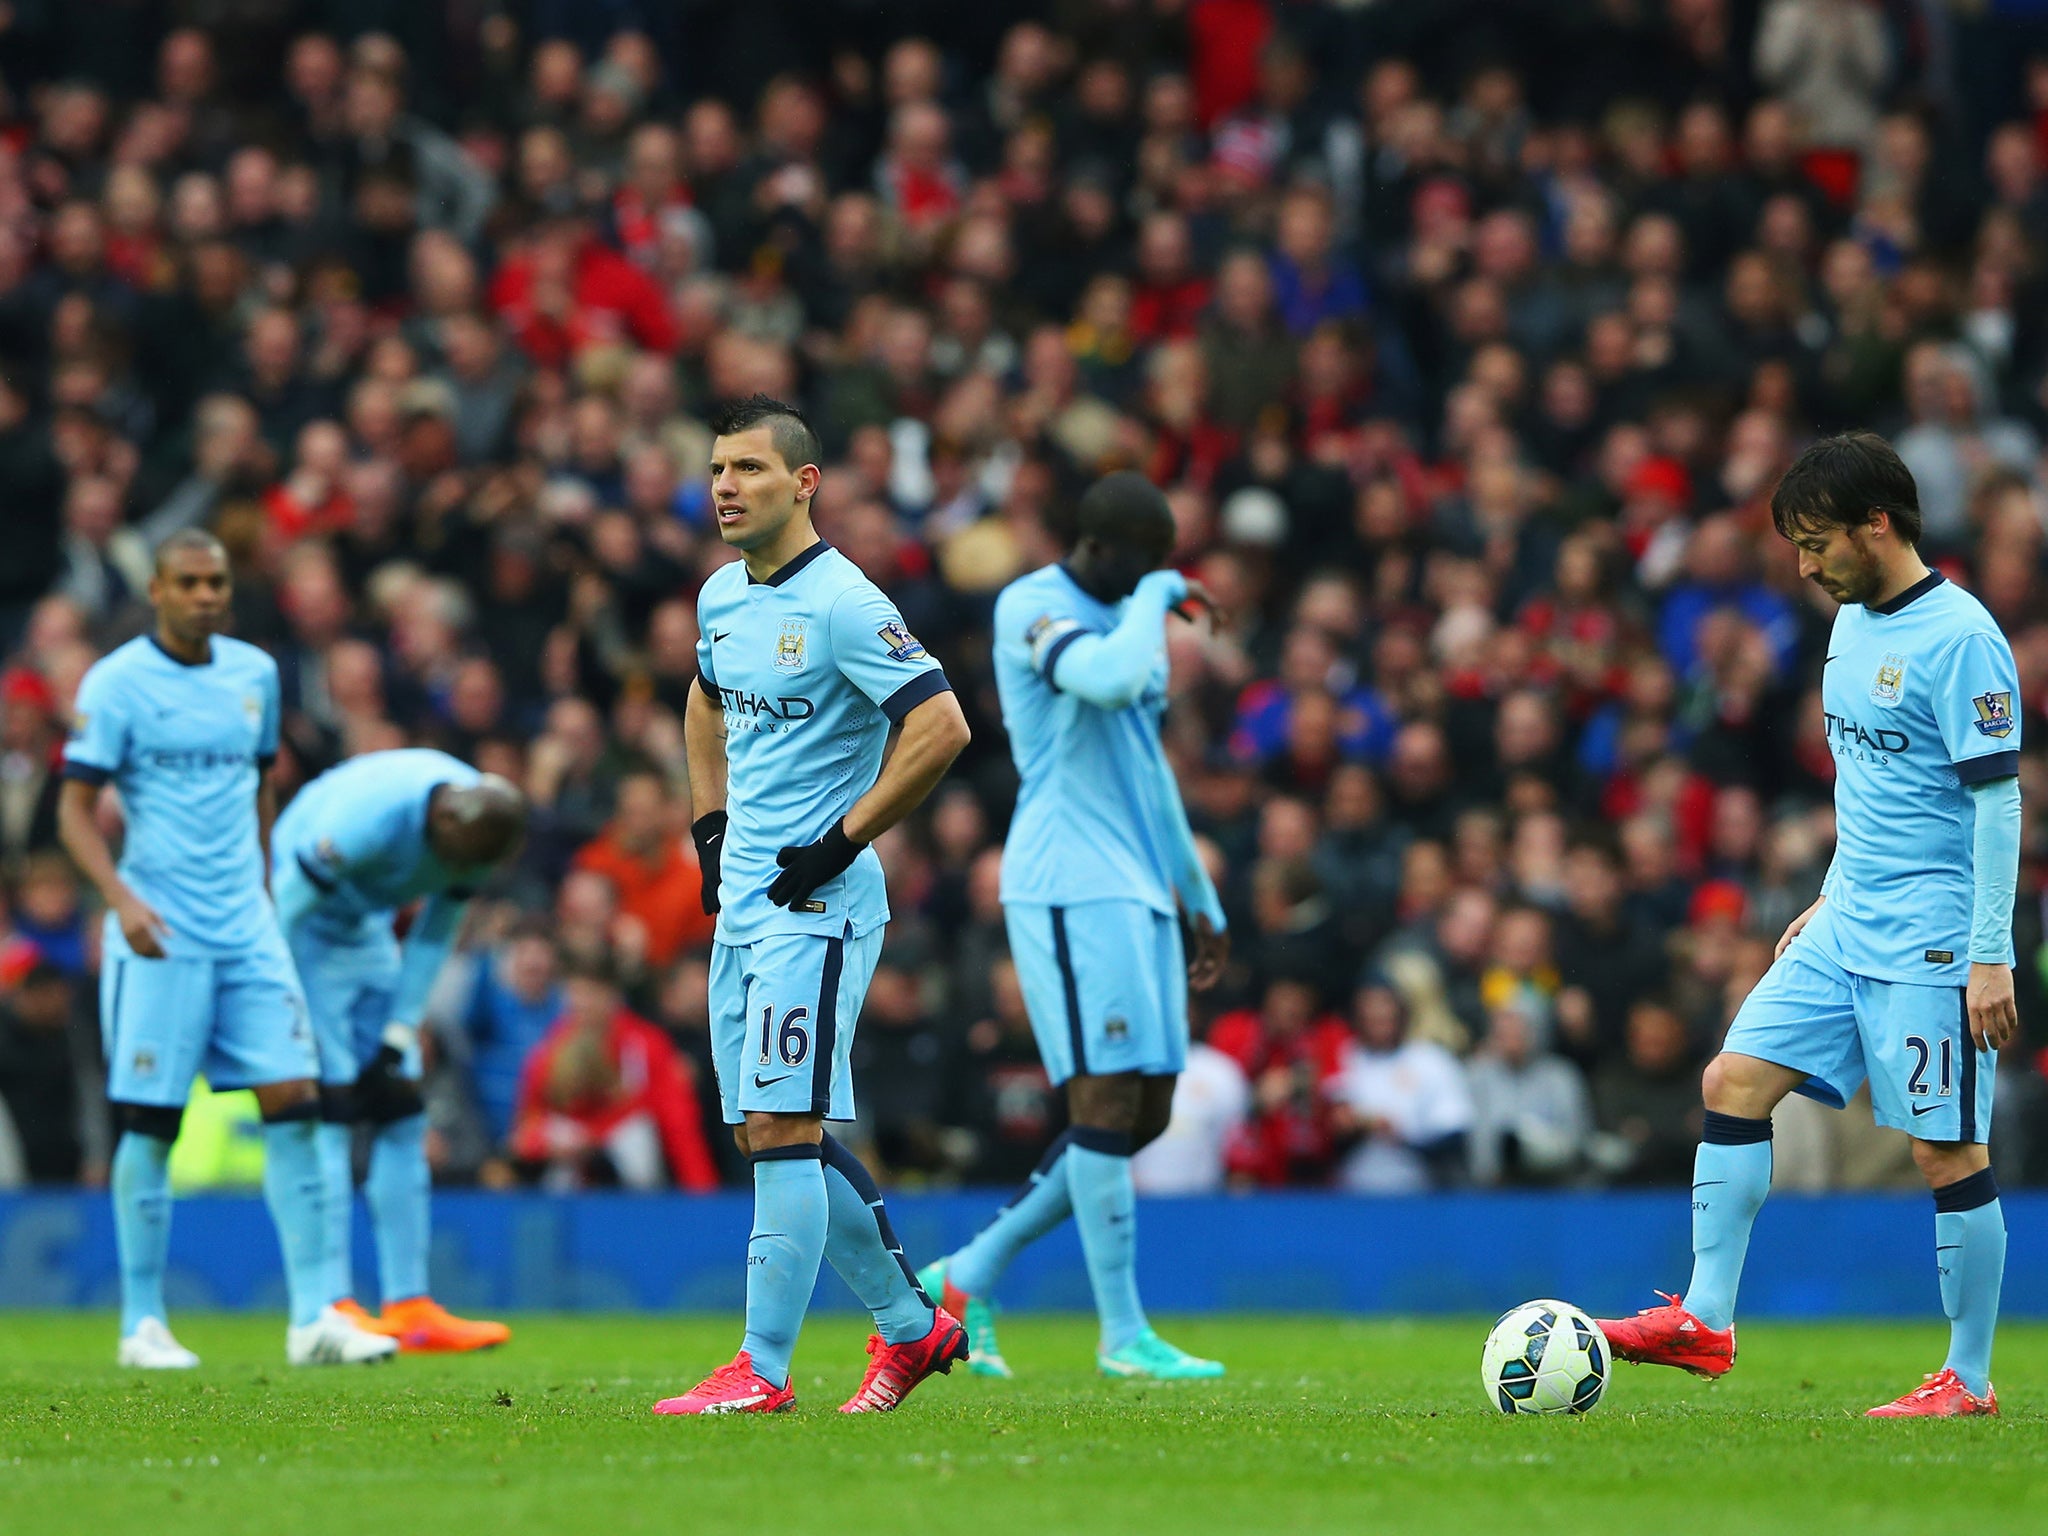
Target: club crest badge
{"x": 1890, "y": 683}
{"x": 1994, "y": 714}
{"x": 789, "y": 646}
{"x": 902, "y": 644}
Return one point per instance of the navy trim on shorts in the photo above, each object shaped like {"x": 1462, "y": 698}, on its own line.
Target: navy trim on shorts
{"x": 86, "y": 773}
{"x": 1969, "y": 1049}
{"x": 114, "y": 1003}
{"x": 827, "y": 1037}
{"x": 1072, "y": 987}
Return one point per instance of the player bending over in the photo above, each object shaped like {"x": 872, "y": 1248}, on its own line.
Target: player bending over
{"x": 1098, "y": 864}
{"x": 194, "y": 975}
{"x": 803, "y": 667}
{"x": 1901, "y": 971}
{"x": 357, "y": 844}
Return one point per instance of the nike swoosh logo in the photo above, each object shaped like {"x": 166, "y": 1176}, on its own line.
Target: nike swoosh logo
{"x": 1710, "y": 1183}
{"x": 1831, "y": 660}
{"x": 770, "y": 1082}
{"x": 718, "y": 635}
{"x": 1925, "y": 1109}
{"x": 1948, "y": 1247}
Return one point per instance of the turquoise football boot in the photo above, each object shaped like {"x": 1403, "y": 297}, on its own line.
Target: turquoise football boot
{"x": 1148, "y": 1357}
{"x": 984, "y": 1354}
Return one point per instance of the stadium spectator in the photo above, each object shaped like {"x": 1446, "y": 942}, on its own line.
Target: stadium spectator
{"x": 605, "y": 1100}
{"x": 1402, "y": 1106}
{"x": 641, "y": 853}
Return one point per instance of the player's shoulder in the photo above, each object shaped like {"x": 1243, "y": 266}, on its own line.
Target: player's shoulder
{"x": 1044, "y": 593}
{"x": 120, "y": 663}
{"x": 723, "y": 585}
{"x": 241, "y": 656}
{"x": 1959, "y": 613}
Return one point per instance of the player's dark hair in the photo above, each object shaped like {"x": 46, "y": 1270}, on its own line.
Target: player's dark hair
{"x": 1123, "y": 508}
{"x": 1841, "y": 482}
{"x": 787, "y": 429}
{"x": 189, "y": 539}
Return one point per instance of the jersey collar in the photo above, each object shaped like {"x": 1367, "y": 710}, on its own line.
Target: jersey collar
{"x": 1919, "y": 589}
{"x": 792, "y": 567}
{"x": 180, "y": 661}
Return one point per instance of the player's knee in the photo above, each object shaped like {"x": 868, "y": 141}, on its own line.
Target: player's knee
{"x": 279, "y": 1103}
{"x": 158, "y": 1120}
{"x": 1942, "y": 1163}
{"x": 1741, "y": 1085}
{"x": 1106, "y": 1103}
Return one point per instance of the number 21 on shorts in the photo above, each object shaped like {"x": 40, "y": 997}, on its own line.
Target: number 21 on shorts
{"x": 1916, "y": 1084}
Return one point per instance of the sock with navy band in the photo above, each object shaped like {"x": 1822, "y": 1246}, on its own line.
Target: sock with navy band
{"x": 1106, "y": 1210}
{"x": 1731, "y": 1175}
{"x": 861, "y": 1246}
{"x": 791, "y": 1217}
{"x": 1033, "y": 1211}
{"x": 1969, "y": 1253}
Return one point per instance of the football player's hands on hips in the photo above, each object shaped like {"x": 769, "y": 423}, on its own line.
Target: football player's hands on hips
{"x": 1994, "y": 1016}
{"x": 806, "y": 868}
{"x": 1794, "y": 928}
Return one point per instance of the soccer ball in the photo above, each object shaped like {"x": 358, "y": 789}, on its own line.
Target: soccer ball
{"x": 1544, "y": 1357}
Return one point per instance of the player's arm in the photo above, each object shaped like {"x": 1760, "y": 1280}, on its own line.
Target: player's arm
{"x": 97, "y": 748}
{"x": 1995, "y": 871}
{"x": 79, "y": 831}
{"x": 704, "y": 748}
{"x": 878, "y": 655}
{"x": 933, "y": 733}
{"x": 1976, "y": 684}
{"x": 1109, "y": 671}
{"x": 266, "y": 817}
{"x": 1191, "y": 882}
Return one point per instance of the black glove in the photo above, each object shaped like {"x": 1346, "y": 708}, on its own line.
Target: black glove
{"x": 805, "y": 869}
{"x": 708, "y": 833}
{"x": 383, "y": 1092}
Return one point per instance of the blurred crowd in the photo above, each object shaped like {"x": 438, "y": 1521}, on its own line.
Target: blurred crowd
{"x": 1466, "y": 339}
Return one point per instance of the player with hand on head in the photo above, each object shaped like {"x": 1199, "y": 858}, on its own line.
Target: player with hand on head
{"x": 1098, "y": 866}
{"x": 1901, "y": 971}
{"x": 357, "y": 844}
{"x": 195, "y": 976}
{"x": 804, "y": 666}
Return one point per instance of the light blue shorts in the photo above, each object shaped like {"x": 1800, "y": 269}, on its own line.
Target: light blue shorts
{"x": 240, "y": 1019}
{"x": 783, "y": 1009}
{"x": 350, "y": 982}
{"x": 1927, "y": 1076}
{"x": 1106, "y": 985}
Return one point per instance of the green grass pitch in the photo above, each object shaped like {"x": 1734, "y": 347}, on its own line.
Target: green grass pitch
{"x": 1323, "y": 1425}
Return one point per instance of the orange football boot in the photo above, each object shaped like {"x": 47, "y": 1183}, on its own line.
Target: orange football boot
{"x": 423, "y": 1326}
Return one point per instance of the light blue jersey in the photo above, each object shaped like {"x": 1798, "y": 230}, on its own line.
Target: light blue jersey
{"x": 1088, "y": 825}
{"x": 1920, "y": 698}
{"x": 811, "y": 668}
{"x": 352, "y": 849}
{"x": 186, "y": 745}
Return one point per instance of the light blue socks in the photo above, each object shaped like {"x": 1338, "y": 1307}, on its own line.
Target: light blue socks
{"x": 1106, "y": 1210}
{"x": 400, "y": 1191}
{"x": 1035, "y": 1210}
{"x": 338, "y": 1174}
{"x": 1969, "y": 1252}
{"x": 792, "y": 1215}
{"x": 140, "y": 1179}
{"x": 1731, "y": 1175}
{"x": 862, "y": 1247}
{"x": 295, "y": 1189}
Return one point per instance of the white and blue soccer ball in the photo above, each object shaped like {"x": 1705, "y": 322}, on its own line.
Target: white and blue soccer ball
{"x": 1545, "y": 1357}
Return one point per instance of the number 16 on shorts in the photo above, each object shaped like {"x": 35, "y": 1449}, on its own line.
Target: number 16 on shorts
{"x": 782, "y": 1016}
